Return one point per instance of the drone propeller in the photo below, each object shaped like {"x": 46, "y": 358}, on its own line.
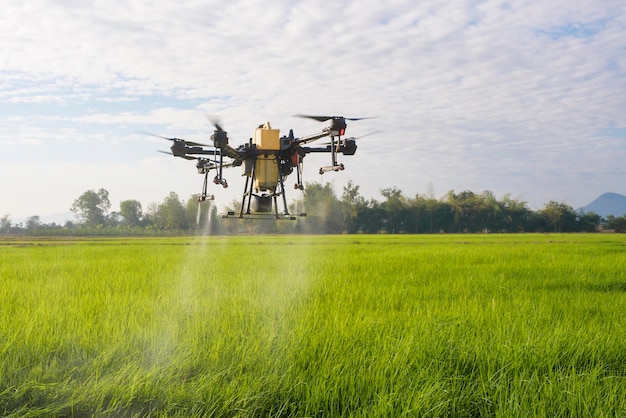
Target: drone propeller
{"x": 184, "y": 141}
{"x": 354, "y": 138}
{"x": 220, "y": 136}
{"x": 190, "y": 157}
{"x": 325, "y": 118}
{"x": 215, "y": 121}
{"x": 337, "y": 123}
{"x": 186, "y": 157}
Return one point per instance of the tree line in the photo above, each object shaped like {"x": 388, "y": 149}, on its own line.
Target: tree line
{"x": 327, "y": 213}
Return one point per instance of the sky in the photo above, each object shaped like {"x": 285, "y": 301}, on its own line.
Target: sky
{"x": 520, "y": 97}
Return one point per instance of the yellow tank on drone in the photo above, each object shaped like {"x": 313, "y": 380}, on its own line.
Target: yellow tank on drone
{"x": 266, "y": 169}
{"x": 266, "y": 177}
{"x": 266, "y": 138}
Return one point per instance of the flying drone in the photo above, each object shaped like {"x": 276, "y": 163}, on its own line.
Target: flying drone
{"x": 266, "y": 161}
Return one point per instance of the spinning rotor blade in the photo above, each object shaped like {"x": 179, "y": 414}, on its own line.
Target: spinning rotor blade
{"x": 354, "y": 138}
{"x": 196, "y": 144}
{"x": 190, "y": 157}
{"x": 369, "y": 134}
{"x": 215, "y": 121}
{"x": 369, "y": 117}
{"x": 186, "y": 157}
{"x": 317, "y": 118}
{"x": 220, "y": 140}
{"x": 325, "y": 118}
{"x": 155, "y": 135}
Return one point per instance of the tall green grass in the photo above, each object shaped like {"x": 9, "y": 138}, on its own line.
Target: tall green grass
{"x": 455, "y": 325}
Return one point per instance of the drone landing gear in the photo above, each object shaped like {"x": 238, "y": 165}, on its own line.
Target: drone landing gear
{"x": 328, "y": 168}
{"x": 222, "y": 181}
{"x": 262, "y": 209}
{"x": 299, "y": 169}
{"x": 204, "y": 196}
{"x": 263, "y": 202}
{"x": 335, "y": 143}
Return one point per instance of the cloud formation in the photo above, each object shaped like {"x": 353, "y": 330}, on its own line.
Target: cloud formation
{"x": 520, "y": 97}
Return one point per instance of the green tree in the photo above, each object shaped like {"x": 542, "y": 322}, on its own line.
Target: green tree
{"x": 516, "y": 215}
{"x": 429, "y": 215}
{"x": 324, "y": 212}
{"x": 131, "y": 213}
{"x": 5, "y": 224}
{"x": 559, "y": 216}
{"x": 33, "y": 223}
{"x": 422, "y": 213}
{"x": 202, "y": 216}
{"x": 353, "y": 207}
{"x": 463, "y": 205}
{"x": 91, "y": 207}
{"x": 483, "y": 212}
{"x": 197, "y": 212}
{"x": 490, "y": 212}
{"x": 171, "y": 214}
{"x": 114, "y": 219}
{"x": 588, "y": 222}
{"x": 150, "y": 215}
{"x": 395, "y": 208}
{"x": 617, "y": 224}
{"x": 373, "y": 217}
{"x": 213, "y": 225}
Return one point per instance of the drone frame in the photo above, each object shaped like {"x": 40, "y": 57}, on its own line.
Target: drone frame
{"x": 287, "y": 153}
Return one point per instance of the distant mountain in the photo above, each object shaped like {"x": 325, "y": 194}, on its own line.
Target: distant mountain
{"x": 608, "y": 204}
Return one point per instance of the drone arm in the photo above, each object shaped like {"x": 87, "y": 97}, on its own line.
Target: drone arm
{"x": 231, "y": 152}
{"x": 202, "y": 151}
{"x": 311, "y": 138}
{"x": 309, "y": 150}
{"x": 346, "y": 150}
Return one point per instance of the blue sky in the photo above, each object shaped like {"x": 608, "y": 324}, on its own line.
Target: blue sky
{"x": 523, "y": 97}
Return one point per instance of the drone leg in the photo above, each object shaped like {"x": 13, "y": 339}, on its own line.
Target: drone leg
{"x": 218, "y": 177}
{"x": 282, "y": 189}
{"x": 221, "y": 161}
{"x": 251, "y": 178}
{"x": 333, "y": 156}
{"x": 333, "y": 152}
{"x": 298, "y": 185}
{"x": 282, "y": 192}
{"x": 243, "y": 200}
{"x": 203, "y": 196}
{"x": 275, "y": 206}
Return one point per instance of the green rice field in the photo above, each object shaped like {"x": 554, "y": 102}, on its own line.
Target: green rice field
{"x": 311, "y": 326}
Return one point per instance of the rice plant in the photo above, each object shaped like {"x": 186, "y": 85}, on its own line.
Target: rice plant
{"x": 441, "y": 325}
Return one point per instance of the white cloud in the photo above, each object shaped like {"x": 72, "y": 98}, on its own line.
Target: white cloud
{"x": 520, "y": 97}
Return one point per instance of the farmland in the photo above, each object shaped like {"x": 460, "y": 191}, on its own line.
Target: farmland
{"x": 349, "y": 325}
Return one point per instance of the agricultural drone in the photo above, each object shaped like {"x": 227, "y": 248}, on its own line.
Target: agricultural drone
{"x": 266, "y": 161}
